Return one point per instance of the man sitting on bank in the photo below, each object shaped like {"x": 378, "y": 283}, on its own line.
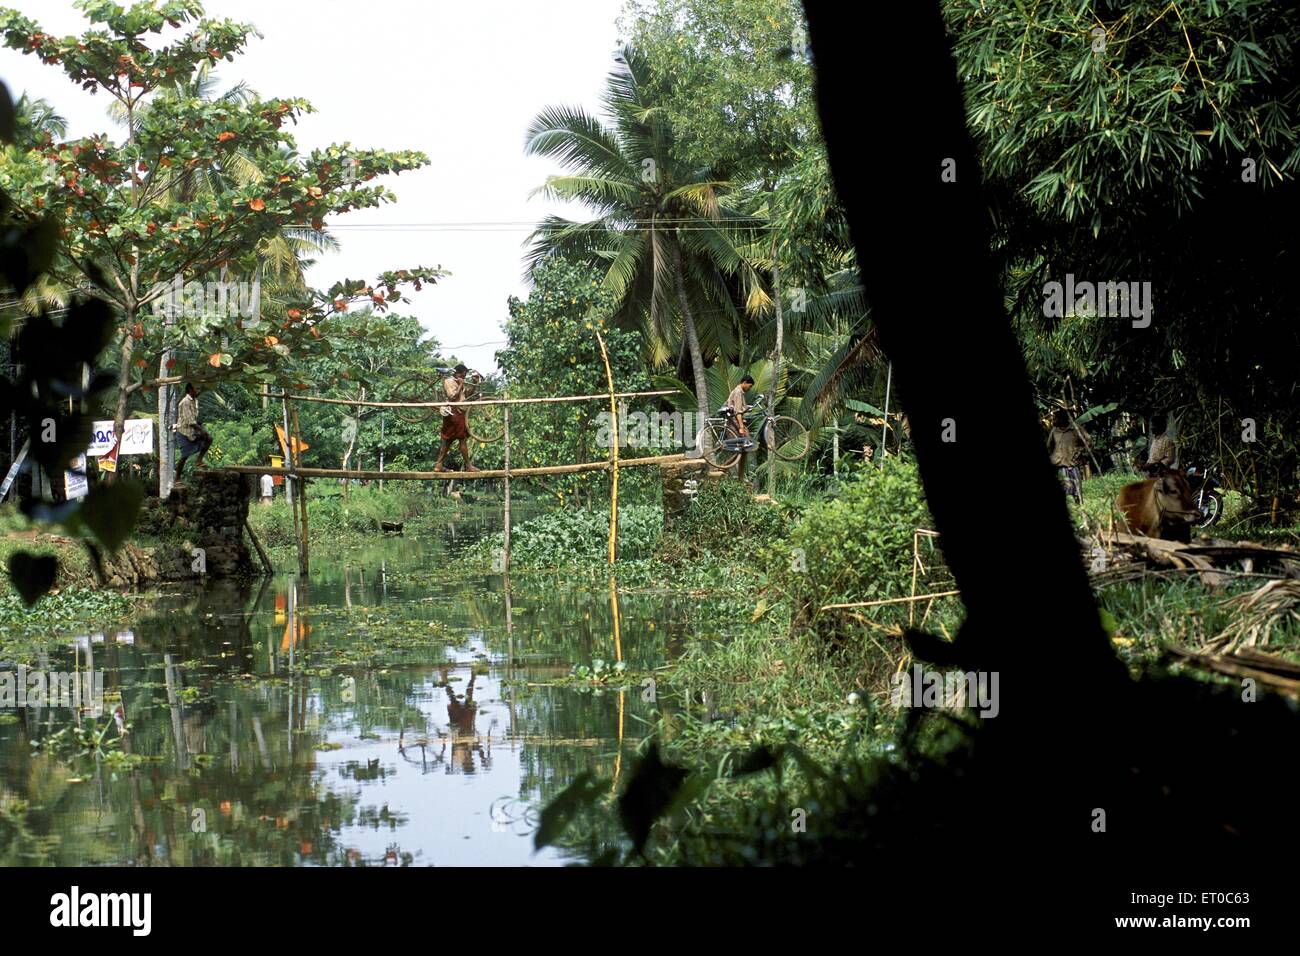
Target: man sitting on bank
{"x": 454, "y": 426}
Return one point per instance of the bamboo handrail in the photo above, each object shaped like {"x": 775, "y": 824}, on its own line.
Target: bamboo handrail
{"x": 477, "y": 402}
{"x": 460, "y": 475}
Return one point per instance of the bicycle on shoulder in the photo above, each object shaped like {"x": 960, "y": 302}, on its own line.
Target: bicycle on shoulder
{"x": 721, "y": 445}
{"x": 485, "y": 423}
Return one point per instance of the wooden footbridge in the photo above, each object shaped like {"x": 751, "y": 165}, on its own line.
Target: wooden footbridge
{"x": 297, "y": 475}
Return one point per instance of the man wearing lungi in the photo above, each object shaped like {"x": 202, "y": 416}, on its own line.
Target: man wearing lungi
{"x": 191, "y": 437}
{"x": 454, "y": 427}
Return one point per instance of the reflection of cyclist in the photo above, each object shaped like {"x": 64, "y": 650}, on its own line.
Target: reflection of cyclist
{"x": 1065, "y": 446}
{"x": 734, "y": 412}
{"x": 460, "y": 715}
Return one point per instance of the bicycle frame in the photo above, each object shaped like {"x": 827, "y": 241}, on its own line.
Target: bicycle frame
{"x": 758, "y": 425}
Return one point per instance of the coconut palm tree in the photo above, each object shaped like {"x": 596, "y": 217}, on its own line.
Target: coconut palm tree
{"x": 663, "y": 235}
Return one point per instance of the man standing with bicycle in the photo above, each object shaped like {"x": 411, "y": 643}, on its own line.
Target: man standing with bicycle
{"x": 736, "y": 427}
{"x": 454, "y": 426}
{"x": 1066, "y": 448}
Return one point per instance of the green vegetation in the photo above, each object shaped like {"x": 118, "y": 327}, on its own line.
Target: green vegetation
{"x": 339, "y": 521}
{"x": 27, "y": 632}
{"x": 1140, "y": 153}
{"x": 763, "y": 636}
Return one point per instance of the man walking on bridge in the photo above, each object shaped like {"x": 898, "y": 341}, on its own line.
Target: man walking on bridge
{"x": 454, "y": 427}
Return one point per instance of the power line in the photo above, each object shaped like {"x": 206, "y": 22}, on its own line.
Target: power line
{"x": 661, "y": 221}
{"x": 475, "y": 345}
{"x": 677, "y": 225}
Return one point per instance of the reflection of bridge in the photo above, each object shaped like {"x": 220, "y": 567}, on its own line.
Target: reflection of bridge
{"x": 298, "y": 475}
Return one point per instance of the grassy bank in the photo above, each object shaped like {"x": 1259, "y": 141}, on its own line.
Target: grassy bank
{"x": 75, "y": 605}
{"x": 339, "y": 523}
{"x": 793, "y": 704}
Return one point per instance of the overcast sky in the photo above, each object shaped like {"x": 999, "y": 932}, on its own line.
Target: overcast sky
{"x": 460, "y": 81}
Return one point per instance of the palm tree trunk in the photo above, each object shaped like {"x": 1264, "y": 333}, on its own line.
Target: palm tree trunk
{"x": 692, "y": 338}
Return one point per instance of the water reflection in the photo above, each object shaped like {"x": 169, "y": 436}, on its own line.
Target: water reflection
{"x": 371, "y": 714}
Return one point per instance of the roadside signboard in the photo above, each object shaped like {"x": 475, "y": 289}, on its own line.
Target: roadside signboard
{"x": 108, "y": 462}
{"x": 137, "y": 437}
{"x": 75, "y": 482}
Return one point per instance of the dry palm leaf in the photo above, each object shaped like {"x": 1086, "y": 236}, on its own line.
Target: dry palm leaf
{"x": 1256, "y": 613}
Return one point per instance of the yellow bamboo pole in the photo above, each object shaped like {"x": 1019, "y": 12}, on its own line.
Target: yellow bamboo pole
{"x": 505, "y": 505}
{"x": 295, "y": 448}
{"x": 613, "y": 454}
{"x": 903, "y": 600}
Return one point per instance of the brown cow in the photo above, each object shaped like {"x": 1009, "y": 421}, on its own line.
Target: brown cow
{"x": 1160, "y": 507}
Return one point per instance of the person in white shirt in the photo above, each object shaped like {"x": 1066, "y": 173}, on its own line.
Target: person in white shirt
{"x": 736, "y": 427}
{"x": 268, "y": 489}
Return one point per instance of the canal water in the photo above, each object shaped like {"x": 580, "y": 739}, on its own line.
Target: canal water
{"x": 389, "y": 709}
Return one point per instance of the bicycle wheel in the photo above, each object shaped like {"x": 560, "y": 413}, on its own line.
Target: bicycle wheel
{"x": 708, "y": 445}
{"x": 786, "y": 438}
{"x": 1211, "y": 510}
{"x": 486, "y": 423}
{"x": 415, "y": 389}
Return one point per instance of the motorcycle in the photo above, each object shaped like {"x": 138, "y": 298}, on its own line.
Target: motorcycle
{"x": 1209, "y": 501}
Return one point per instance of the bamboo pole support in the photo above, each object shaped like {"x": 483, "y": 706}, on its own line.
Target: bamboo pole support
{"x": 257, "y": 546}
{"x": 290, "y": 489}
{"x": 295, "y": 447}
{"x": 613, "y": 454}
{"x": 505, "y": 507}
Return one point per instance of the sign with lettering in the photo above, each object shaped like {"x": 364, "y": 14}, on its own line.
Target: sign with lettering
{"x": 75, "y": 483}
{"x": 137, "y": 437}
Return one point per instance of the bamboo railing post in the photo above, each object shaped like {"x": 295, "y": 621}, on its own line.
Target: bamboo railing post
{"x": 505, "y": 508}
{"x": 613, "y": 454}
{"x": 295, "y": 446}
{"x": 257, "y": 546}
{"x": 290, "y": 492}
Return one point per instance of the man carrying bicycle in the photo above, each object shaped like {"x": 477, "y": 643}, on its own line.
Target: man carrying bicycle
{"x": 454, "y": 425}
{"x": 734, "y": 410}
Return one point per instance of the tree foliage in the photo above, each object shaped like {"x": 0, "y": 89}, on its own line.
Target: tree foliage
{"x": 552, "y": 350}
{"x": 1138, "y": 155}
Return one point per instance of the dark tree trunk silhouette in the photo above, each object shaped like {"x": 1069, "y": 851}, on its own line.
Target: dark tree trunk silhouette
{"x": 1182, "y": 771}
